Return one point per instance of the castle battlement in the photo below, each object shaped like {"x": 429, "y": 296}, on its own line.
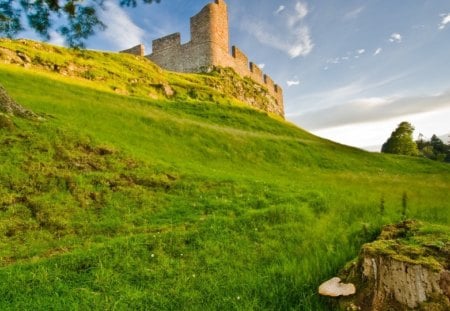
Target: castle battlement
{"x": 172, "y": 41}
{"x": 209, "y": 47}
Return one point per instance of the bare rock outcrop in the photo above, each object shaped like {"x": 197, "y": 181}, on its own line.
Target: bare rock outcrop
{"x": 406, "y": 268}
{"x": 9, "y": 106}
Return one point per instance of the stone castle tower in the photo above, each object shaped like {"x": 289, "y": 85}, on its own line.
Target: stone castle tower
{"x": 209, "y": 47}
{"x": 209, "y": 43}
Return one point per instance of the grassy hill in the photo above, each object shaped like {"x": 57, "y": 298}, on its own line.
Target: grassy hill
{"x": 188, "y": 201}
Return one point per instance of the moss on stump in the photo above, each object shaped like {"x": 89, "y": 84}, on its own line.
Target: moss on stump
{"x": 406, "y": 268}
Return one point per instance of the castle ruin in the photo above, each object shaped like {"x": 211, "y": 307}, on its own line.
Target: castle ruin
{"x": 209, "y": 47}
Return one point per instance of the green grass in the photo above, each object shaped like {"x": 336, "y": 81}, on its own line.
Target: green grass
{"x": 128, "y": 202}
{"x": 133, "y": 75}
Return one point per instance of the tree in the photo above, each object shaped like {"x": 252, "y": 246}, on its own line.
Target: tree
{"x": 434, "y": 149}
{"x": 447, "y": 158}
{"x": 78, "y": 17}
{"x": 401, "y": 141}
{"x": 438, "y": 144}
{"x": 440, "y": 149}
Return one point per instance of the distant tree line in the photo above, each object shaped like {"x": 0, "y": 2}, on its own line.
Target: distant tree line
{"x": 434, "y": 148}
{"x": 401, "y": 142}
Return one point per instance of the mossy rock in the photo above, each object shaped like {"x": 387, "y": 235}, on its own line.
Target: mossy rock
{"x": 6, "y": 122}
{"x": 9, "y": 106}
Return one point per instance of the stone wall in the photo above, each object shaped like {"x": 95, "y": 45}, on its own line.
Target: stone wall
{"x": 135, "y": 50}
{"x": 166, "y": 52}
{"x": 209, "y": 29}
{"x": 241, "y": 64}
{"x": 256, "y": 73}
{"x": 172, "y": 41}
{"x": 209, "y": 47}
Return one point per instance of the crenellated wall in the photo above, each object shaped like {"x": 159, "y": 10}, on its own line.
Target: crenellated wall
{"x": 166, "y": 52}
{"x": 135, "y": 50}
{"x": 172, "y": 41}
{"x": 209, "y": 47}
{"x": 241, "y": 64}
{"x": 256, "y": 73}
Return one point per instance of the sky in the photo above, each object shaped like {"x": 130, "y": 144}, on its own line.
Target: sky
{"x": 351, "y": 70}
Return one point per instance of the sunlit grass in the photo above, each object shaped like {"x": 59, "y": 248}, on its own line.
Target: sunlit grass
{"x": 120, "y": 202}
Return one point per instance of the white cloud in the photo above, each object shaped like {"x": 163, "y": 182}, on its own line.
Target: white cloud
{"x": 261, "y": 66}
{"x": 296, "y": 39}
{"x": 292, "y": 82}
{"x": 344, "y": 94}
{"x": 338, "y": 60}
{"x": 377, "y": 51}
{"x": 372, "y": 109}
{"x": 280, "y": 9}
{"x": 302, "y": 45}
{"x": 396, "y": 37}
{"x": 374, "y": 134}
{"x": 121, "y": 32}
{"x": 333, "y": 60}
{"x": 445, "y": 20}
{"x": 56, "y": 38}
{"x": 354, "y": 13}
{"x": 301, "y": 9}
{"x": 300, "y": 12}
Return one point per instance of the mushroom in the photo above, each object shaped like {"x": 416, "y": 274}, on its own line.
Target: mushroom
{"x": 334, "y": 288}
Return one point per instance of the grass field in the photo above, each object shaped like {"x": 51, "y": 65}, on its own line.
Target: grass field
{"x": 186, "y": 203}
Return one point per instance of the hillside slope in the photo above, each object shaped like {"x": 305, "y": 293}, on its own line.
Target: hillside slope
{"x": 181, "y": 202}
{"x": 137, "y": 76}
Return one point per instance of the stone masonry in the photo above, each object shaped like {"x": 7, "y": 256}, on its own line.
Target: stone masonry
{"x": 209, "y": 47}
{"x": 136, "y": 50}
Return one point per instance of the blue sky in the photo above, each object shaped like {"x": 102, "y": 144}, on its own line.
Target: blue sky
{"x": 351, "y": 70}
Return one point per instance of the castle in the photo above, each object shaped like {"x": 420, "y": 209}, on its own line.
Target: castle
{"x": 209, "y": 47}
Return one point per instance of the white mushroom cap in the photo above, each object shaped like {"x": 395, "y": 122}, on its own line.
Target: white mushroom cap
{"x": 334, "y": 288}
